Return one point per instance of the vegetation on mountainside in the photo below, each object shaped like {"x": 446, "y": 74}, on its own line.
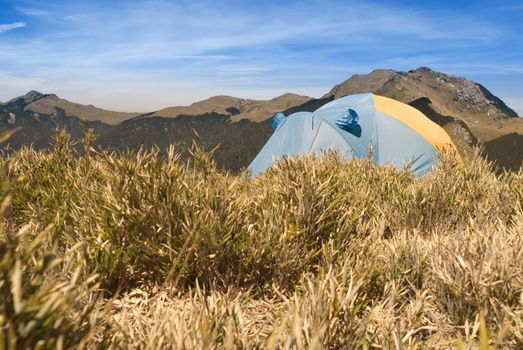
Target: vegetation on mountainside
{"x": 143, "y": 251}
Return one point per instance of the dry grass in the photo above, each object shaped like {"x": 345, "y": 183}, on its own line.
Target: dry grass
{"x": 139, "y": 251}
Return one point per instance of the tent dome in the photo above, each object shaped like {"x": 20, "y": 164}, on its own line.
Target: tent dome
{"x": 397, "y": 134}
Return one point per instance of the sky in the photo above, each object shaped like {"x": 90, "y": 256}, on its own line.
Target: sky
{"x": 146, "y": 55}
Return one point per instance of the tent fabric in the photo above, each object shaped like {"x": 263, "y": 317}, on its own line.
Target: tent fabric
{"x": 415, "y": 120}
{"x": 355, "y": 125}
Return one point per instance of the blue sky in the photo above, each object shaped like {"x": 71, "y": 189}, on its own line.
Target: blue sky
{"x": 144, "y": 55}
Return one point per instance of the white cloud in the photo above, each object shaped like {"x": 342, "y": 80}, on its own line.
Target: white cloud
{"x": 31, "y": 11}
{"x": 10, "y": 26}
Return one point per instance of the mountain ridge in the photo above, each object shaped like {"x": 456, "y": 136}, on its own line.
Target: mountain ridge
{"x": 467, "y": 110}
{"x": 471, "y": 107}
{"x": 235, "y": 107}
{"x": 41, "y": 103}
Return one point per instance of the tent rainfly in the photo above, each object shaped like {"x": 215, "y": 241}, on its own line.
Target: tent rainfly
{"x": 397, "y": 133}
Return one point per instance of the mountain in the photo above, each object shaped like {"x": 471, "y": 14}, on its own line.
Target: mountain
{"x": 45, "y": 104}
{"x": 239, "y": 128}
{"x": 236, "y": 143}
{"x": 19, "y": 103}
{"x": 38, "y": 129}
{"x": 469, "y": 112}
{"x": 236, "y": 108}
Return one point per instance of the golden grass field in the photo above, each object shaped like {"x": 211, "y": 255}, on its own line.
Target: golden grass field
{"x": 136, "y": 251}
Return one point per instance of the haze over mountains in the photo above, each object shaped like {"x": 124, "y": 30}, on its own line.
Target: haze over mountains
{"x": 465, "y": 109}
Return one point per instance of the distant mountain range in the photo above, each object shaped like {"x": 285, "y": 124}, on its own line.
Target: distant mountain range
{"x": 465, "y": 109}
{"x": 237, "y": 108}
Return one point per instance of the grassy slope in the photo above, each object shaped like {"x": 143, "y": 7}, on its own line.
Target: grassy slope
{"x": 312, "y": 254}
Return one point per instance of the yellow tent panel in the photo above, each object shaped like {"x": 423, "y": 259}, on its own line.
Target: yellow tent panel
{"x": 416, "y": 120}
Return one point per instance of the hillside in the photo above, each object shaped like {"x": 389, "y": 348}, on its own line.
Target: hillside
{"x": 236, "y": 108}
{"x": 472, "y": 110}
{"x": 236, "y": 143}
{"x": 38, "y": 129}
{"x": 37, "y": 102}
{"x": 47, "y": 103}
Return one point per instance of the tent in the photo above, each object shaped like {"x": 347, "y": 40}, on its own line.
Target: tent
{"x": 355, "y": 125}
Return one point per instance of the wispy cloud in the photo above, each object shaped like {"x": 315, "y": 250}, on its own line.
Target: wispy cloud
{"x": 10, "y": 26}
{"x": 31, "y": 11}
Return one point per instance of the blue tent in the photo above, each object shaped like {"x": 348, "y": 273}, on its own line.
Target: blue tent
{"x": 397, "y": 134}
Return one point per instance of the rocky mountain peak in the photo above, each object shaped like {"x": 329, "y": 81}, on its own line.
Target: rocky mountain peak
{"x": 449, "y": 94}
{"x": 18, "y": 103}
{"x": 362, "y": 83}
{"x": 422, "y": 69}
{"x": 33, "y": 95}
